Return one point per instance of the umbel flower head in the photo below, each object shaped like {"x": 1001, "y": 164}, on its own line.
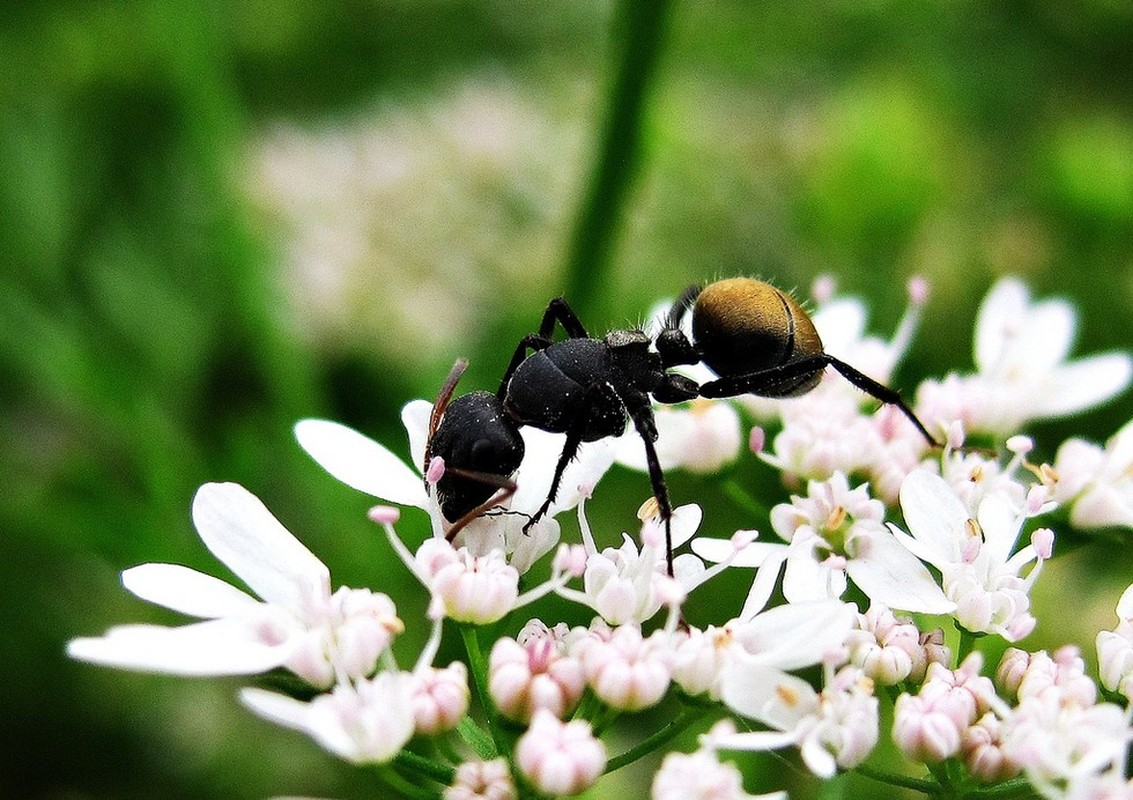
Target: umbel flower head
{"x": 871, "y": 514}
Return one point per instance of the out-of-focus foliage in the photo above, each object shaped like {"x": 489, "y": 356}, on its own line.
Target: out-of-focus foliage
{"x": 217, "y": 218}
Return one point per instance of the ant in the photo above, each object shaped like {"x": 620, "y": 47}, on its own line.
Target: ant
{"x": 756, "y": 338}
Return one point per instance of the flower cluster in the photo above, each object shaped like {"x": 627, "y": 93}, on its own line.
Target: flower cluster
{"x": 875, "y": 526}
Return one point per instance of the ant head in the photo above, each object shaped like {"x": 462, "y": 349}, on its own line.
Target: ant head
{"x": 742, "y": 326}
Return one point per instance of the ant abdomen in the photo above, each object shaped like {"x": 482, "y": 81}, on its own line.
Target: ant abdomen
{"x": 743, "y": 326}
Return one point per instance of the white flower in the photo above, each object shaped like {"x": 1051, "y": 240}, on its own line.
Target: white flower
{"x": 1097, "y": 482}
{"x": 702, "y": 776}
{"x": 1115, "y": 649}
{"x": 369, "y": 467}
{"x": 702, "y": 436}
{"x": 299, "y": 624}
{"x": 1022, "y": 374}
{"x": 980, "y": 572}
{"x": 835, "y": 532}
{"x": 628, "y": 584}
{"x": 837, "y": 727}
{"x": 365, "y": 722}
{"x": 1062, "y": 744}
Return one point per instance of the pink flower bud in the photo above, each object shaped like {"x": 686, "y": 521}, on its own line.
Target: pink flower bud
{"x": 441, "y": 698}
{"x": 1012, "y": 669}
{"x": 476, "y": 589}
{"x": 922, "y": 733}
{"x": 436, "y": 470}
{"x": 559, "y": 758}
{"x": 482, "y": 780}
{"x": 525, "y": 678}
{"x": 918, "y": 289}
{"x": 628, "y": 672}
{"x": 983, "y": 752}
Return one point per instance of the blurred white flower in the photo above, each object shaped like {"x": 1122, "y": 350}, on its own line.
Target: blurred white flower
{"x": 701, "y": 775}
{"x": 299, "y": 625}
{"x": 1097, "y": 483}
{"x": 1022, "y": 373}
{"x": 482, "y": 780}
{"x": 368, "y": 721}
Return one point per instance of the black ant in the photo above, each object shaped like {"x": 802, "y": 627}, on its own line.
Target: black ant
{"x": 757, "y": 339}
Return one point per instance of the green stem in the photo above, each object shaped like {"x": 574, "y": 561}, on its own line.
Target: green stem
{"x": 641, "y": 26}
{"x": 1014, "y": 789}
{"x": 405, "y": 788}
{"x": 686, "y": 718}
{"x": 441, "y": 773}
{"x": 742, "y": 498}
{"x": 478, "y": 666}
{"x": 904, "y": 781}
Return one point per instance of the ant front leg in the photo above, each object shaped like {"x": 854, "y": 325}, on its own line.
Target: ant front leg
{"x": 641, "y": 412}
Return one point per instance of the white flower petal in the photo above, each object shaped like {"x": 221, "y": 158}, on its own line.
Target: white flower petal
{"x": 716, "y": 550}
{"x": 186, "y": 590}
{"x": 216, "y": 647}
{"x": 1047, "y": 335}
{"x": 806, "y": 579}
{"x": 241, "y": 532}
{"x": 997, "y": 321}
{"x": 891, "y": 575}
{"x": 1081, "y": 384}
{"x": 841, "y": 324}
{"x": 360, "y": 462}
{"x": 764, "y": 584}
{"x": 1000, "y": 527}
{"x": 415, "y": 417}
{"x": 684, "y": 523}
{"x": 797, "y": 634}
{"x": 935, "y": 517}
{"x": 764, "y": 693}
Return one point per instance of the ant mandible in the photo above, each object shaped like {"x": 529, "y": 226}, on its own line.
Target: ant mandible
{"x": 756, "y": 338}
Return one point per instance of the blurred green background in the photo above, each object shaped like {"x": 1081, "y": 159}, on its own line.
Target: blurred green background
{"x": 217, "y": 218}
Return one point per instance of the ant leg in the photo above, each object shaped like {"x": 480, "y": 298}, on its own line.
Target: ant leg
{"x": 641, "y": 412}
{"x": 557, "y": 311}
{"x": 681, "y": 306}
{"x": 534, "y": 342}
{"x": 671, "y": 342}
{"x": 570, "y": 450}
{"x": 883, "y": 393}
{"x": 597, "y": 395}
{"x": 762, "y": 382}
{"x": 506, "y": 487}
{"x": 439, "y": 406}
{"x": 765, "y": 382}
